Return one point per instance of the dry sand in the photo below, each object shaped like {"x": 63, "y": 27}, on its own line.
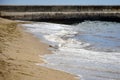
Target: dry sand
{"x": 19, "y": 53}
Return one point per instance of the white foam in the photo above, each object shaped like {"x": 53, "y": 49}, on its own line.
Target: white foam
{"x": 71, "y": 55}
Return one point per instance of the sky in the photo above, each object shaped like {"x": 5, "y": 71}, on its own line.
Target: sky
{"x": 60, "y": 2}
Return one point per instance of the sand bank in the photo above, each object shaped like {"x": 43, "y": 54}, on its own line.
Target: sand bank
{"x": 19, "y": 53}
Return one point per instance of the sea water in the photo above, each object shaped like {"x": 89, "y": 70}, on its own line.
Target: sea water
{"x": 90, "y": 49}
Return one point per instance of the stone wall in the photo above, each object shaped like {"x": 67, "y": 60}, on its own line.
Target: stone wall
{"x": 57, "y": 8}
{"x": 61, "y": 13}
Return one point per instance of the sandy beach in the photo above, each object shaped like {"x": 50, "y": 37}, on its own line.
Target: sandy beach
{"x": 19, "y": 54}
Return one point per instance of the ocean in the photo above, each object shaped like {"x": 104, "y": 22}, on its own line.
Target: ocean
{"x": 89, "y": 50}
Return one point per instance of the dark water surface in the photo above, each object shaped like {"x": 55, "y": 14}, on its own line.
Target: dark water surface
{"x": 103, "y": 36}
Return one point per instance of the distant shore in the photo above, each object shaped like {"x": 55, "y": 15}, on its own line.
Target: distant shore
{"x": 19, "y": 54}
{"x": 66, "y": 14}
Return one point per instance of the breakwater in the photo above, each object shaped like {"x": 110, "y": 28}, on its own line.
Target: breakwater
{"x": 61, "y": 13}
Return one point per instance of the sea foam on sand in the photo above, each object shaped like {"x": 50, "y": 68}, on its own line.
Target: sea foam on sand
{"x": 89, "y": 50}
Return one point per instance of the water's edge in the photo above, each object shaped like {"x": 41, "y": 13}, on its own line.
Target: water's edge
{"x": 89, "y": 50}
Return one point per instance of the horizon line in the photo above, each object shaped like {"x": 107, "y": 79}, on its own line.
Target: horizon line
{"x": 52, "y": 5}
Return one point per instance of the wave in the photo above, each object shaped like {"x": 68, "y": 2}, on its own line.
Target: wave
{"x": 89, "y": 49}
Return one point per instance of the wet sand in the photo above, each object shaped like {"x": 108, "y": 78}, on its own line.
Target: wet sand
{"x": 19, "y": 54}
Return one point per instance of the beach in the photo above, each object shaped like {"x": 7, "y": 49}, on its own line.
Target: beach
{"x": 20, "y": 52}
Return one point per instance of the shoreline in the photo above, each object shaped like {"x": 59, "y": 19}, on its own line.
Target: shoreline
{"x": 65, "y": 14}
{"x": 22, "y": 55}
